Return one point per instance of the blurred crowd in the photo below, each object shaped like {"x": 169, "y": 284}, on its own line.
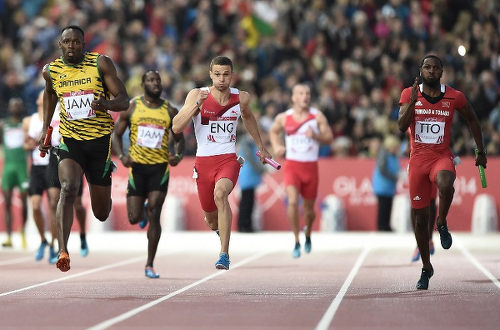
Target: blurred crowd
{"x": 357, "y": 55}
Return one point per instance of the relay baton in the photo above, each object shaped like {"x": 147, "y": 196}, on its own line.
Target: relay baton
{"x": 482, "y": 174}
{"x": 271, "y": 162}
{"x": 46, "y": 141}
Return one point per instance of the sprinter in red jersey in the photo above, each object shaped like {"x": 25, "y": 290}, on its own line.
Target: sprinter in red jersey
{"x": 427, "y": 109}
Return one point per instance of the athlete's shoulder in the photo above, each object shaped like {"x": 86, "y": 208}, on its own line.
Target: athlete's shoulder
{"x": 452, "y": 91}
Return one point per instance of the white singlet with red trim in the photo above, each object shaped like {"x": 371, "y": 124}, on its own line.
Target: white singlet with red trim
{"x": 215, "y": 125}
{"x": 299, "y": 147}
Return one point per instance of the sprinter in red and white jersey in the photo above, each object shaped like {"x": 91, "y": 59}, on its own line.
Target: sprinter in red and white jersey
{"x": 427, "y": 109}
{"x": 304, "y": 129}
{"x": 215, "y": 111}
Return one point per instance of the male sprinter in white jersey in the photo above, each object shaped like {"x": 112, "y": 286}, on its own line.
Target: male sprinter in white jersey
{"x": 305, "y": 128}
{"x": 215, "y": 111}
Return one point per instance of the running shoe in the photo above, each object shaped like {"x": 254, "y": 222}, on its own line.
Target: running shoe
{"x": 445, "y": 236}
{"x": 296, "y": 250}
{"x": 24, "y": 243}
{"x": 144, "y": 221}
{"x": 52, "y": 255}
{"x": 7, "y": 243}
{"x": 63, "y": 261}
{"x": 223, "y": 262}
{"x": 41, "y": 251}
{"x": 150, "y": 272}
{"x": 307, "y": 245}
{"x": 416, "y": 255}
{"x": 423, "y": 282}
{"x": 84, "y": 248}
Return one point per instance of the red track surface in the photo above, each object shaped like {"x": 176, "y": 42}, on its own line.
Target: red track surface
{"x": 349, "y": 281}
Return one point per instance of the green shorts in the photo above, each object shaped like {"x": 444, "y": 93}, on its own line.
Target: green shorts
{"x": 15, "y": 175}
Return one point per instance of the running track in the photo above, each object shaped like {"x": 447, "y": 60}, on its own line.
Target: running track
{"x": 350, "y": 281}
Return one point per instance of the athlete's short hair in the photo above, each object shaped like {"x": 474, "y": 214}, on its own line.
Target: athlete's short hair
{"x": 431, "y": 56}
{"x": 146, "y": 73}
{"x": 73, "y": 27}
{"x": 221, "y": 60}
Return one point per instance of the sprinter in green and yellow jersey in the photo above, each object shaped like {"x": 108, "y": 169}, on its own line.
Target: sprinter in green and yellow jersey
{"x": 83, "y": 83}
{"x": 149, "y": 118}
{"x": 14, "y": 173}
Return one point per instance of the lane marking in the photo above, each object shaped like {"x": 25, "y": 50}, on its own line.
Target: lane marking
{"x": 122, "y": 317}
{"x": 478, "y": 265}
{"x": 327, "y": 318}
{"x": 95, "y": 270}
{"x": 16, "y": 261}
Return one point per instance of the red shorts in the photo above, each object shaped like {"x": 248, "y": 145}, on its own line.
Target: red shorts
{"x": 303, "y": 176}
{"x": 422, "y": 172}
{"x": 211, "y": 169}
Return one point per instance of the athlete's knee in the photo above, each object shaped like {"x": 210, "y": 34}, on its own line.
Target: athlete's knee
{"x": 220, "y": 197}
{"x": 69, "y": 191}
{"x": 101, "y": 212}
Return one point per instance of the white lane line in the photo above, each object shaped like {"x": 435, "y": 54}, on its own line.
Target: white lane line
{"x": 16, "y": 261}
{"x": 327, "y": 318}
{"x": 122, "y": 317}
{"x": 95, "y": 270}
{"x": 478, "y": 265}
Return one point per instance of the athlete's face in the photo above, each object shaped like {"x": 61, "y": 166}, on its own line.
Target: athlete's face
{"x": 152, "y": 84}
{"x": 431, "y": 71}
{"x": 221, "y": 76}
{"x": 71, "y": 44}
{"x": 301, "y": 96}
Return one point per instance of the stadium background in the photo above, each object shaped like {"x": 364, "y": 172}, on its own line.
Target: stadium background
{"x": 357, "y": 55}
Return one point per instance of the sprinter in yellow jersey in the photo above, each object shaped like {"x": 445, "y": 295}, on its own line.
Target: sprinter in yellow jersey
{"x": 83, "y": 83}
{"x": 149, "y": 118}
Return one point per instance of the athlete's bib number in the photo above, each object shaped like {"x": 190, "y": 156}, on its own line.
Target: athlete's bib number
{"x": 300, "y": 143}
{"x": 430, "y": 132}
{"x": 77, "y": 104}
{"x": 221, "y": 131}
{"x": 14, "y": 137}
{"x": 150, "y": 136}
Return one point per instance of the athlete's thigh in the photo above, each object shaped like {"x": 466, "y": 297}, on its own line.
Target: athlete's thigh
{"x": 420, "y": 185}
{"x": 69, "y": 172}
{"x": 98, "y": 161}
{"x": 135, "y": 206}
{"x": 292, "y": 194}
{"x": 99, "y": 196}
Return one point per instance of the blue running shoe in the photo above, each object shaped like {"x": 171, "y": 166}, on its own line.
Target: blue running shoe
{"x": 144, "y": 221}
{"x": 52, "y": 255}
{"x": 296, "y": 250}
{"x": 150, "y": 272}
{"x": 223, "y": 262}
{"x": 41, "y": 251}
{"x": 307, "y": 245}
{"x": 416, "y": 255}
{"x": 84, "y": 248}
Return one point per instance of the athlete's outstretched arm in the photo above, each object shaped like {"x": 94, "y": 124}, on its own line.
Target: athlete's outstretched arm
{"x": 470, "y": 115}
{"x": 325, "y": 132}
{"x": 251, "y": 125}
{"x": 120, "y": 102}
{"x": 120, "y": 127}
{"x": 49, "y": 106}
{"x": 191, "y": 106}
{"x": 407, "y": 110}
{"x": 179, "y": 141}
{"x": 276, "y": 135}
